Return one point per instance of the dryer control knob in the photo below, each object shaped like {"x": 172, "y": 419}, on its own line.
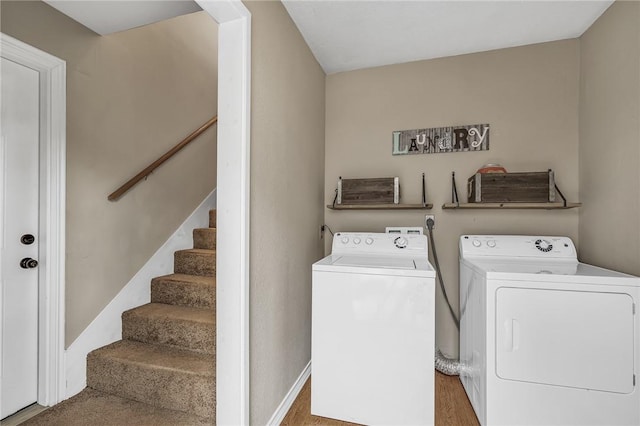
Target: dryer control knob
{"x": 491, "y": 243}
{"x": 369, "y": 241}
{"x": 345, "y": 240}
{"x": 544, "y": 245}
{"x": 476, "y": 243}
{"x": 356, "y": 240}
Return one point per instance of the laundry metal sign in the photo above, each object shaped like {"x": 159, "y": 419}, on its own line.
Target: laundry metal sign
{"x": 473, "y": 137}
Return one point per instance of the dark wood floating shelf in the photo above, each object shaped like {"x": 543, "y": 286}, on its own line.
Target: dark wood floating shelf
{"x": 380, "y": 207}
{"x": 546, "y": 206}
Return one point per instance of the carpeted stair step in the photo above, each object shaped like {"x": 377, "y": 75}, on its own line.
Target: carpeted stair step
{"x": 181, "y": 326}
{"x": 92, "y": 407}
{"x": 184, "y": 290}
{"x": 195, "y": 262}
{"x": 204, "y": 238}
{"x": 154, "y": 374}
{"x": 212, "y": 218}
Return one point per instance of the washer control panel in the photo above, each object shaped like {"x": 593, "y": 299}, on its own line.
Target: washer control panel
{"x": 517, "y": 246}
{"x": 379, "y": 243}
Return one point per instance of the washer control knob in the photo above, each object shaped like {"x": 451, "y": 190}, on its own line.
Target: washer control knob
{"x": 345, "y": 240}
{"x": 476, "y": 243}
{"x": 369, "y": 241}
{"x": 401, "y": 242}
{"x": 491, "y": 243}
{"x": 356, "y": 240}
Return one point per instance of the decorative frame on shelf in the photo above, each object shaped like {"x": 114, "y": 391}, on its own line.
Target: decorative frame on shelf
{"x": 365, "y": 202}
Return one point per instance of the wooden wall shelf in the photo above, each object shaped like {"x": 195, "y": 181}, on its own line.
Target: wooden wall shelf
{"x": 542, "y": 206}
{"x": 380, "y": 207}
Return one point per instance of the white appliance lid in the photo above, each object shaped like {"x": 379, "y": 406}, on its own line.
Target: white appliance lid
{"x": 376, "y": 262}
{"x": 525, "y": 267}
{"x": 547, "y": 270}
{"x": 540, "y": 267}
{"x": 408, "y": 266}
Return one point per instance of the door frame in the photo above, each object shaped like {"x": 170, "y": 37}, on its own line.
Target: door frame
{"x": 51, "y": 255}
{"x": 233, "y": 218}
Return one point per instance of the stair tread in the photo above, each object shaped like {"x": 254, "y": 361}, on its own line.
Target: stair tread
{"x": 159, "y": 356}
{"x": 92, "y": 407}
{"x": 163, "y": 311}
{"x": 197, "y": 251}
{"x": 195, "y": 279}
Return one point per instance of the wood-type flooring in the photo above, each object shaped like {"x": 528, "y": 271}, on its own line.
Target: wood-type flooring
{"x": 452, "y": 407}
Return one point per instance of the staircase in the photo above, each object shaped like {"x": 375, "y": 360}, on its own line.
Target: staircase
{"x": 166, "y": 357}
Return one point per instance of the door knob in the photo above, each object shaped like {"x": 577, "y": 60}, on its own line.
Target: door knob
{"x": 27, "y": 239}
{"x": 28, "y": 263}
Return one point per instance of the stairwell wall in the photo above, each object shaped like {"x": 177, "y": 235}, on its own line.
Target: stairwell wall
{"x": 130, "y": 97}
{"x": 287, "y": 175}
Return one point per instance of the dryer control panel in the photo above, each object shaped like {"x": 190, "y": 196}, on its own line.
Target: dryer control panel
{"x": 544, "y": 247}
{"x": 380, "y": 244}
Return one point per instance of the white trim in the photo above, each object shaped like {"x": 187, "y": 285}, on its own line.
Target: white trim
{"x": 51, "y": 385}
{"x": 290, "y": 397}
{"x": 107, "y": 326}
{"x": 233, "y": 180}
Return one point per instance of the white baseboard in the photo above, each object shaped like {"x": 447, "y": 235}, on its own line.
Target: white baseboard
{"x": 107, "y": 326}
{"x": 290, "y": 397}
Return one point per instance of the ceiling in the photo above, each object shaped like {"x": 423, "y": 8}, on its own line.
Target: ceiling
{"x": 348, "y": 35}
{"x": 110, "y": 16}
{"x": 352, "y": 34}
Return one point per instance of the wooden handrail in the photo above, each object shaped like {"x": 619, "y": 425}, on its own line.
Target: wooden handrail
{"x": 149, "y": 169}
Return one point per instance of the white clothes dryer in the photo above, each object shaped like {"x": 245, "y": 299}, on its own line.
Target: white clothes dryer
{"x": 372, "y": 333}
{"x": 545, "y": 339}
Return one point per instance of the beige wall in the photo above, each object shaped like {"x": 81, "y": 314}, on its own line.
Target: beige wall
{"x": 610, "y": 139}
{"x": 529, "y": 96}
{"x": 130, "y": 97}
{"x": 287, "y": 178}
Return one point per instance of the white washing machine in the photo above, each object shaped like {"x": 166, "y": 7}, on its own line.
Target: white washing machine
{"x": 545, "y": 339}
{"x": 372, "y": 336}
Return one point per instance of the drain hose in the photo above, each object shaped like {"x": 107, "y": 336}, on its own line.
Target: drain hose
{"x": 448, "y": 366}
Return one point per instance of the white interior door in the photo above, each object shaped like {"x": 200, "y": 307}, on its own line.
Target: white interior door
{"x": 19, "y": 141}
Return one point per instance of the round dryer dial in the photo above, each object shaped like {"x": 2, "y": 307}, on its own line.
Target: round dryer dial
{"x": 544, "y": 245}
